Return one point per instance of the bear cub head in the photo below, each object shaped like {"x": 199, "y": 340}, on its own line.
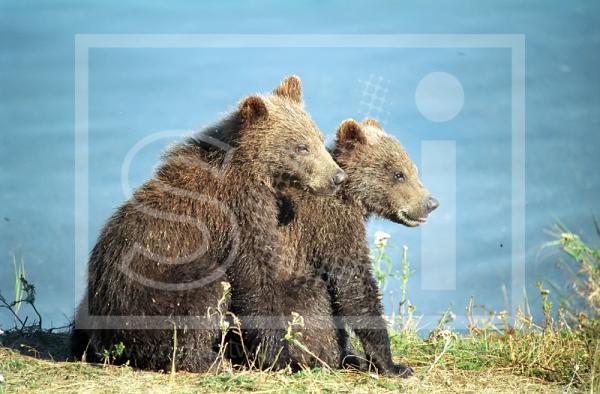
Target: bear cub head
{"x": 380, "y": 174}
{"x": 279, "y": 140}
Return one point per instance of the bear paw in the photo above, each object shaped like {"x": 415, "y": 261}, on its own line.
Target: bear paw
{"x": 403, "y": 371}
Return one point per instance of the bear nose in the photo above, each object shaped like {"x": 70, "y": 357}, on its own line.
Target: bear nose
{"x": 339, "y": 177}
{"x": 431, "y": 204}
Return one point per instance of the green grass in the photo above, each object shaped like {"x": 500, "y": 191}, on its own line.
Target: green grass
{"x": 26, "y": 374}
{"x": 535, "y": 360}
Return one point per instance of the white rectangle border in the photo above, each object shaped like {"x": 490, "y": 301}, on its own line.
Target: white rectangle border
{"x": 514, "y": 42}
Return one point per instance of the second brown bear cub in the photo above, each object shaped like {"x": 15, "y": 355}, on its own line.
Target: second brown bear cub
{"x": 327, "y": 233}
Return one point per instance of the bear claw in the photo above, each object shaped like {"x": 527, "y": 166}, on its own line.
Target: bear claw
{"x": 404, "y": 371}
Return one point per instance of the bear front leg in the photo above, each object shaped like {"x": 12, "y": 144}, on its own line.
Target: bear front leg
{"x": 356, "y": 300}
{"x": 350, "y": 357}
{"x": 263, "y": 327}
{"x": 256, "y": 297}
{"x": 316, "y": 342}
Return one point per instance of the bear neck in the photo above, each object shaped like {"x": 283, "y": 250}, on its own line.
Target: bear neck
{"x": 351, "y": 200}
{"x": 223, "y": 144}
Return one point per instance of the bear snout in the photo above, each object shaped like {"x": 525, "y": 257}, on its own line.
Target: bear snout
{"x": 339, "y": 178}
{"x": 431, "y": 204}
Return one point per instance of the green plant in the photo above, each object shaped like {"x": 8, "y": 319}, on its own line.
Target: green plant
{"x": 405, "y": 309}
{"x": 546, "y": 304}
{"x": 109, "y": 356}
{"x": 582, "y": 267}
{"x": 221, "y": 363}
{"x": 24, "y": 293}
{"x": 383, "y": 269}
{"x": 19, "y": 273}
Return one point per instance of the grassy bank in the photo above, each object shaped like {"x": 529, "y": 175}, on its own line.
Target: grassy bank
{"x": 26, "y": 374}
{"x": 502, "y": 354}
{"x": 548, "y": 361}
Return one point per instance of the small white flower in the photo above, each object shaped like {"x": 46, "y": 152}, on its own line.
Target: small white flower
{"x": 1, "y": 378}
{"x": 381, "y": 238}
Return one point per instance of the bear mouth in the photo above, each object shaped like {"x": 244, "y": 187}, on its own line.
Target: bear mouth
{"x": 402, "y": 217}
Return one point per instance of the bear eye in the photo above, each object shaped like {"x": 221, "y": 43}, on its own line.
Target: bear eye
{"x": 302, "y": 148}
{"x": 399, "y": 176}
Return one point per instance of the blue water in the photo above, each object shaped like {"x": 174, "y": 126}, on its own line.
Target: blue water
{"x": 134, "y": 93}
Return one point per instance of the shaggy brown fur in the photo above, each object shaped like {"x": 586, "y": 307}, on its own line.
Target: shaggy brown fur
{"x": 164, "y": 253}
{"x": 328, "y": 235}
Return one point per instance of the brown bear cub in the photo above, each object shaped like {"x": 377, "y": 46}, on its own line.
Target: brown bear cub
{"x": 160, "y": 259}
{"x": 329, "y": 238}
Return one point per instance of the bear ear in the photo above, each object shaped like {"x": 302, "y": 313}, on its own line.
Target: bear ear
{"x": 351, "y": 132}
{"x": 253, "y": 109}
{"x": 291, "y": 87}
{"x": 372, "y": 122}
